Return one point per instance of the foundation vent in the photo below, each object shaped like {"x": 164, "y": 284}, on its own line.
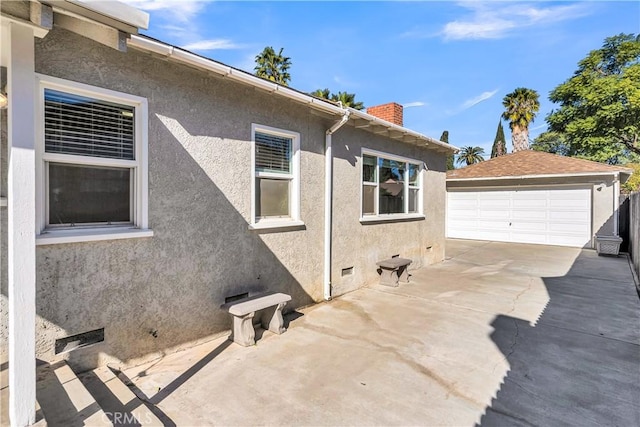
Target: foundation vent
{"x": 236, "y": 297}
{"x": 74, "y": 342}
{"x": 347, "y": 271}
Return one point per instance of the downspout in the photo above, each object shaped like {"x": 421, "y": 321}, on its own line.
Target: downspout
{"x": 328, "y": 201}
{"x": 616, "y": 204}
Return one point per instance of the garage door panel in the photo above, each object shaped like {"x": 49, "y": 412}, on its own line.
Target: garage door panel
{"x": 545, "y": 216}
{"x": 521, "y": 237}
{"x": 570, "y": 215}
{"x": 464, "y": 204}
{"x": 562, "y": 240}
{"x": 495, "y": 225}
{"x": 493, "y": 204}
{"x": 567, "y": 227}
{"x": 525, "y": 196}
{"x": 498, "y": 236}
{"x": 538, "y": 227}
{"x": 501, "y": 214}
{"x": 573, "y": 194}
{"x": 569, "y": 204}
{"x": 464, "y": 214}
{"x": 537, "y": 215}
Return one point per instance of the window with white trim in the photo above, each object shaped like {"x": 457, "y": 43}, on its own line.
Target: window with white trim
{"x": 92, "y": 162}
{"x": 391, "y": 186}
{"x": 276, "y": 179}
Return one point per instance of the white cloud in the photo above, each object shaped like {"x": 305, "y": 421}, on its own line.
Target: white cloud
{"x": 214, "y": 44}
{"x": 414, "y": 104}
{"x": 500, "y": 19}
{"x": 345, "y": 83}
{"x": 477, "y": 99}
{"x": 247, "y": 63}
{"x": 542, "y": 126}
{"x": 181, "y": 10}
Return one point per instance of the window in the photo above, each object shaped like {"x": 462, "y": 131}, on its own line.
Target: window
{"x": 92, "y": 162}
{"x": 276, "y": 178}
{"x": 390, "y": 186}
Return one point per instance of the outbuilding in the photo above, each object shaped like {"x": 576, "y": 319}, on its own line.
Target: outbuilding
{"x": 535, "y": 197}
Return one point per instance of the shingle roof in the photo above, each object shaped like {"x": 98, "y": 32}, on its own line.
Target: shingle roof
{"x": 530, "y": 163}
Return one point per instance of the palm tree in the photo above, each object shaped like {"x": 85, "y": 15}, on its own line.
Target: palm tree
{"x": 347, "y": 100}
{"x": 470, "y": 155}
{"x": 521, "y": 107}
{"x": 272, "y": 66}
{"x": 321, "y": 93}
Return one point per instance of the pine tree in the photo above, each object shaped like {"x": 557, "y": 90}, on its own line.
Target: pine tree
{"x": 499, "y": 143}
{"x": 450, "y": 159}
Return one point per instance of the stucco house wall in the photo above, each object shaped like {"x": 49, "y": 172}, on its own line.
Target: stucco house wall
{"x": 361, "y": 245}
{"x": 602, "y": 194}
{"x": 157, "y": 294}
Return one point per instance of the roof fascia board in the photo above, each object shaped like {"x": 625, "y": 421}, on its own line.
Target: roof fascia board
{"x": 366, "y": 120}
{"x": 111, "y": 13}
{"x": 405, "y": 131}
{"x": 38, "y": 31}
{"x": 562, "y": 175}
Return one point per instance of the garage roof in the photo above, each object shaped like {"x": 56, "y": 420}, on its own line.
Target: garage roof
{"x": 533, "y": 164}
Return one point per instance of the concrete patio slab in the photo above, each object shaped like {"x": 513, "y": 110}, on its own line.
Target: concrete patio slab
{"x": 498, "y": 334}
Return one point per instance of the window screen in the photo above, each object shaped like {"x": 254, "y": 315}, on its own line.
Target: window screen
{"x": 273, "y": 153}
{"x": 79, "y": 125}
{"x": 81, "y": 194}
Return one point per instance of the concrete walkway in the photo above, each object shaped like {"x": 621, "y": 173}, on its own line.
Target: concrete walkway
{"x": 498, "y": 334}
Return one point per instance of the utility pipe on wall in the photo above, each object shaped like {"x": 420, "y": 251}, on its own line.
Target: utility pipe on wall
{"x": 328, "y": 201}
{"x": 616, "y": 204}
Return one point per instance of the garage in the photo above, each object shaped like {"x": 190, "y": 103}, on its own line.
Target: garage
{"x": 534, "y": 197}
{"x": 545, "y": 216}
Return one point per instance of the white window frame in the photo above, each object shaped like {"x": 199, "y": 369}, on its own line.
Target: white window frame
{"x": 377, "y": 216}
{"x": 294, "y": 189}
{"x": 139, "y": 168}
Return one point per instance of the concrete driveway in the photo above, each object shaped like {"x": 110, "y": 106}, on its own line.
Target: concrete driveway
{"x": 498, "y": 334}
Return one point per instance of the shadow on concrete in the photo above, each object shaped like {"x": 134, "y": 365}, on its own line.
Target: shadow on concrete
{"x": 580, "y": 363}
{"x": 164, "y": 292}
{"x": 54, "y": 400}
{"x": 184, "y": 377}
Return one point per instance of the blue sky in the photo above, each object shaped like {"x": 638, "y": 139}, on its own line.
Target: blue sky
{"x": 449, "y": 63}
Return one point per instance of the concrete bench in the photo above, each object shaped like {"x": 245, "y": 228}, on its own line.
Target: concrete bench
{"x": 244, "y": 309}
{"x": 394, "y": 270}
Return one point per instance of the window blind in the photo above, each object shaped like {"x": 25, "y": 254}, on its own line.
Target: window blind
{"x": 83, "y": 126}
{"x": 273, "y": 153}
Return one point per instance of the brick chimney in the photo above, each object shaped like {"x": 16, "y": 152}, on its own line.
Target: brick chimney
{"x": 391, "y": 112}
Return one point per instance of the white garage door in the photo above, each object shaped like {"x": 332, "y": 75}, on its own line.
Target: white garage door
{"x": 552, "y": 217}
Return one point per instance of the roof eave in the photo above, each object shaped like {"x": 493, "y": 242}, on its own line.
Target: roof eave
{"x": 541, "y": 176}
{"x": 111, "y": 13}
{"x": 393, "y": 131}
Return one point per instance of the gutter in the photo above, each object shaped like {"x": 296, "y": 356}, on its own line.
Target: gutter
{"x": 157, "y": 47}
{"x": 616, "y": 205}
{"x": 328, "y": 200}
{"x": 557, "y": 175}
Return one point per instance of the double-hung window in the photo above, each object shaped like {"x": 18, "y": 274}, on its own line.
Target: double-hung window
{"x": 92, "y": 162}
{"x": 391, "y": 186}
{"x": 276, "y": 177}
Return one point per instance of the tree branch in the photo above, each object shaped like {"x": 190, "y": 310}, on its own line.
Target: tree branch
{"x": 631, "y": 144}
